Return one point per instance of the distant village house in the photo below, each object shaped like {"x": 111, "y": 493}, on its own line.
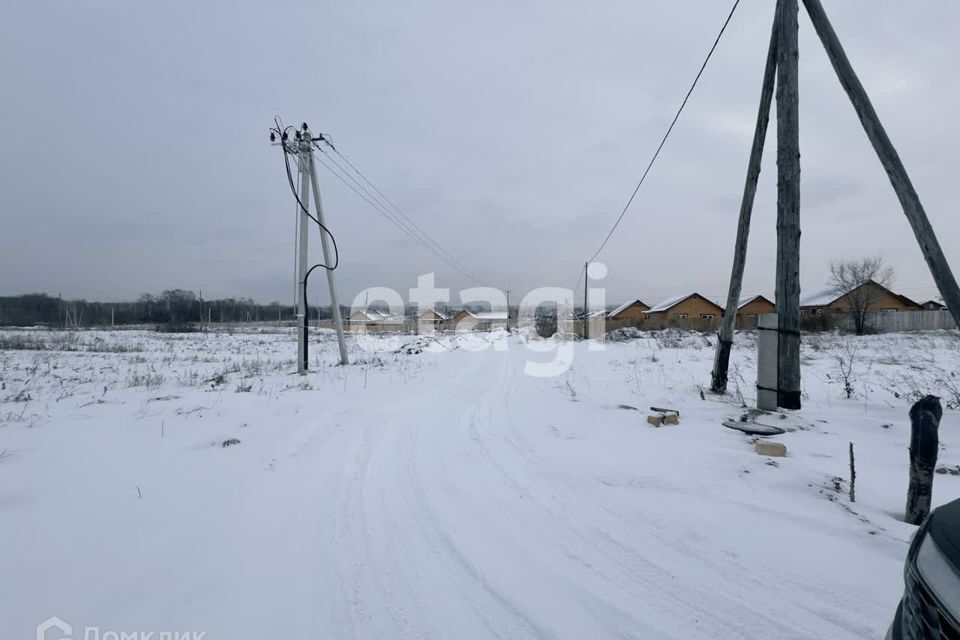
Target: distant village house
{"x": 749, "y": 308}
{"x": 634, "y": 311}
{"x": 688, "y": 308}
{"x": 373, "y": 321}
{"x": 466, "y": 320}
{"x": 879, "y": 298}
{"x": 431, "y": 320}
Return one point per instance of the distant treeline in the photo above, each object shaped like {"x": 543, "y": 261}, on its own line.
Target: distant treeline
{"x": 172, "y": 307}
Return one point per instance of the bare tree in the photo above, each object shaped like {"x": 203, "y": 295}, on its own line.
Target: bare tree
{"x": 846, "y": 360}
{"x": 857, "y": 281}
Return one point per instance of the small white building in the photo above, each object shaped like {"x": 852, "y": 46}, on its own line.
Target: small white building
{"x": 373, "y": 321}
{"x": 479, "y": 320}
{"x": 432, "y": 320}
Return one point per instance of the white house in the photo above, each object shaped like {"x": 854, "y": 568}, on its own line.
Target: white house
{"x": 479, "y": 320}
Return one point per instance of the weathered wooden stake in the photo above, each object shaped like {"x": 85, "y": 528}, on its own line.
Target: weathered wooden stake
{"x": 853, "y": 476}
{"x": 788, "y": 206}
{"x": 925, "y": 417}
{"x": 909, "y": 200}
{"x": 721, "y": 361}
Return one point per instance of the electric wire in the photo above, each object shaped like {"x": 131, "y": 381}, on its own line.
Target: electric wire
{"x": 662, "y": 142}
{"x": 379, "y": 208}
{"x": 393, "y": 205}
{"x": 323, "y": 228}
{"x": 282, "y": 132}
{"x": 409, "y": 228}
{"x": 370, "y": 197}
{"x": 354, "y": 185}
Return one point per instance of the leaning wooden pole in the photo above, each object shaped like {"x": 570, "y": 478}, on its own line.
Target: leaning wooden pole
{"x": 788, "y": 207}
{"x": 888, "y": 155}
{"x": 721, "y": 360}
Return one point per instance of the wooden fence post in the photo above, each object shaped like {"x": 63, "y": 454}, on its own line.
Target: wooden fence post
{"x": 853, "y": 476}
{"x": 925, "y": 417}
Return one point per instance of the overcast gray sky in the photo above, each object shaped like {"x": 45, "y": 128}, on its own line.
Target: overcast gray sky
{"x": 135, "y": 154}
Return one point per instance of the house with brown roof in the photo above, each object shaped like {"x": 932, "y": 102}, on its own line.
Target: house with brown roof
{"x": 685, "y": 309}
{"x": 749, "y": 307}
{"x": 632, "y": 311}
{"x": 876, "y": 296}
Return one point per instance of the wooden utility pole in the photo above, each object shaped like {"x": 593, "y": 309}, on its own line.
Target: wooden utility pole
{"x": 909, "y": 200}
{"x": 788, "y": 196}
{"x": 788, "y": 206}
{"x": 721, "y": 361}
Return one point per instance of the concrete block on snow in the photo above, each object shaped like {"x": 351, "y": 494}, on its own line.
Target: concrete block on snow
{"x": 772, "y": 449}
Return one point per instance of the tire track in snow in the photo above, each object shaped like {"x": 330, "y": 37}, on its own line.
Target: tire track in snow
{"x": 371, "y": 520}
{"x": 524, "y": 514}
{"x": 579, "y": 546}
{"x": 452, "y": 522}
{"x": 629, "y": 566}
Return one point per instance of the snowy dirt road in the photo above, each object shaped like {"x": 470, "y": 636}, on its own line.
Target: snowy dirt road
{"x": 447, "y": 494}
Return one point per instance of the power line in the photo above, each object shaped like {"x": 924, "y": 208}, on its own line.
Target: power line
{"x": 377, "y": 206}
{"x": 665, "y": 136}
{"x": 395, "y": 208}
{"x": 411, "y": 229}
{"x": 381, "y": 207}
{"x": 405, "y": 224}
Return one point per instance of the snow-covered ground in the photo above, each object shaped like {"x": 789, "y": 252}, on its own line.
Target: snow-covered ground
{"x": 440, "y": 492}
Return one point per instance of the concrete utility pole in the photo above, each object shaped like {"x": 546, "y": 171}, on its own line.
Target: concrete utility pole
{"x": 788, "y": 206}
{"x": 508, "y": 308}
{"x": 337, "y": 319}
{"x": 586, "y": 287}
{"x": 301, "y": 146}
{"x": 305, "y": 150}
